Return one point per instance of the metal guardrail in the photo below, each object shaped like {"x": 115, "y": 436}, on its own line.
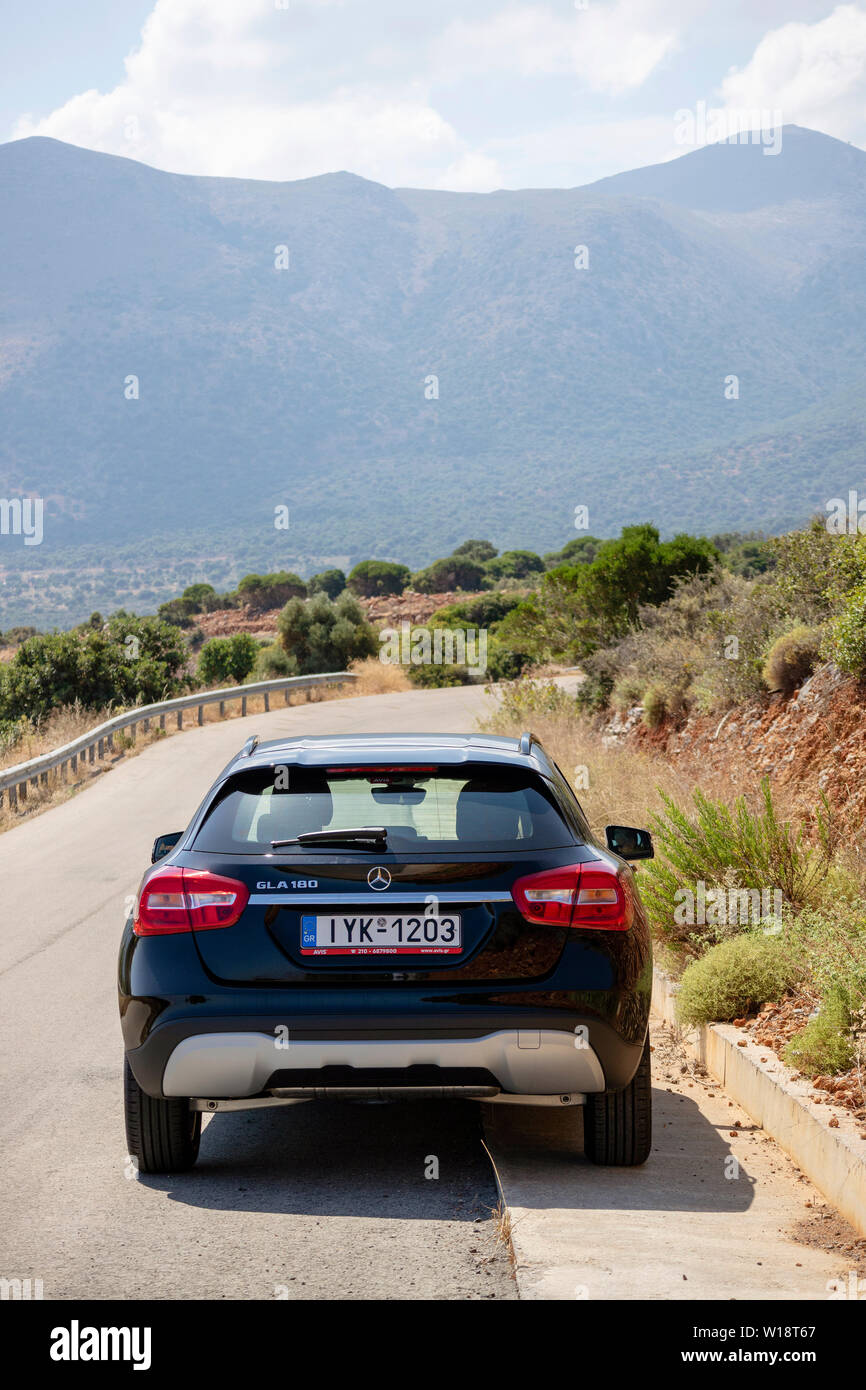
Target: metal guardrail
{"x": 92, "y": 744}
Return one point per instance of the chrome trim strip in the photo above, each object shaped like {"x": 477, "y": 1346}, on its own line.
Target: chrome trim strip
{"x": 390, "y": 895}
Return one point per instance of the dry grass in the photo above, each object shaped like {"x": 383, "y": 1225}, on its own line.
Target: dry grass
{"x": 613, "y": 783}
{"x": 377, "y": 677}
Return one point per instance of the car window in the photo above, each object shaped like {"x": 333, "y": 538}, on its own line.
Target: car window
{"x": 429, "y": 807}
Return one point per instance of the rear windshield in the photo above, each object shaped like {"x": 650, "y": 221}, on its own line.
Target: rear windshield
{"x": 474, "y": 807}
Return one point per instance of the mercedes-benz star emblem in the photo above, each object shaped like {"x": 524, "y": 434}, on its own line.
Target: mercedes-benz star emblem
{"x": 378, "y": 879}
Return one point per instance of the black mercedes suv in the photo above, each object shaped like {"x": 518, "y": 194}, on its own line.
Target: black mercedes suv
{"x": 387, "y": 916}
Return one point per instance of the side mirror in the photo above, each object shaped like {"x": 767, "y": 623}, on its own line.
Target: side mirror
{"x": 164, "y": 844}
{"x": 628, "y": 842}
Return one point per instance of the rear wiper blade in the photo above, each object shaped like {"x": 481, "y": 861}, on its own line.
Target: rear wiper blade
{"x": 375, "y": 836}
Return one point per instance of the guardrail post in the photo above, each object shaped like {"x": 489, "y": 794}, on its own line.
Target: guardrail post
{"x": 147, "y": 726}
{"x": 287, "y": 694}
{"x": 180, "y": 719}
{"x": 23, "y": 791}
{"x": 243, "y": 705}
{"x": 110, "y": 742}
{"x": 222, "y": 708}
{"x": 13, "y": 798}
{"x": 74, "y": 762}
{"x": 201, "y": 714}
{"x": 91, "y": 753}
{"x": 162, "y": 721}
{"x": 267, "y": 700}
{"x": 101, "y": 748}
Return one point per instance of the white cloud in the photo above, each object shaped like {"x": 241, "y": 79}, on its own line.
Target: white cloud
{"x": 813, "y": 74}
{"x": 212, "y": 89}
{"x": 610, "y": 47}
{"x": 242, "y": 88}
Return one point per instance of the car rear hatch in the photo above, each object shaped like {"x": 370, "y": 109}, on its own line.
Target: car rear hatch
{"x": 432, "y": 896}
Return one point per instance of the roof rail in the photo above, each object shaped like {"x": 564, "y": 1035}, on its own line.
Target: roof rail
{"x": 249, "y": 746}
{"x": 526, "y": 741}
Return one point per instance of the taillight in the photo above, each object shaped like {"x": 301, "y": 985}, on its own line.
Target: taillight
{"x": 177, "y": 900}
{"x": 576, "y": 896}
{"x": 604, "y": 900}
{"x": 548, "y": 896}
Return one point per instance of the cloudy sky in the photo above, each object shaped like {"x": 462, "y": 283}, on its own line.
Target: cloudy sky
{"x": 462, "y": 94}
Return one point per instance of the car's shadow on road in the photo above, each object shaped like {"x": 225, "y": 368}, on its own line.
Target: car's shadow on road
{"x": 540, "y": 1155}
{"x": 418, "y": 1159}
{"x": 426, "y": 1160}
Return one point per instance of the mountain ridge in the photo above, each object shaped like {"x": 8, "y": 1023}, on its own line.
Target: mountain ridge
{"x": 312, "y": 387}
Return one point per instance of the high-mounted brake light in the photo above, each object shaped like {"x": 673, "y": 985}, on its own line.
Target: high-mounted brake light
{"x": 576, "y": 896}
{"x": 385, "y": 768}
{"x": 179, "y": 900}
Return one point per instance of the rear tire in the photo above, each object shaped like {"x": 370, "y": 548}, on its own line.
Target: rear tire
{"x": 162, "y": 1135}
{"x": 617, "y": 1125}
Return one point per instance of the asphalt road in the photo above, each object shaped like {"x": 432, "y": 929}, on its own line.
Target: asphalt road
{"x": 312, "y": 1201}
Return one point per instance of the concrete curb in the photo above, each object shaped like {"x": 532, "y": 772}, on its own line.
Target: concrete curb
{"x": 834, "y": 1159}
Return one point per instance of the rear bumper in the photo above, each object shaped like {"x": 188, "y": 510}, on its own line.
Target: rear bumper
{"x": 519, "y": 1061}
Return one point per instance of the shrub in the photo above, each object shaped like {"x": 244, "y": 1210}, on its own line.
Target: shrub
{"x": 323, "y": 635}
{"x": 203, "y": 597}
{"x": 12, "y": 731}
{"x": 521, "y": 700}
{"x": 741, "y": 628}
{"x": 177, "y": 611}
{"x": 330, "y": 582}
{"x": 505, "y": 663}
{"x": 826, "y": 1045}
{"x": 259, "y": 592}
{"x": 727, "y": 848}
{"x": 747, "y": 554}
{"x": 272, "y": 662}
{"x": 815, "y": 569}
{"x": 372, "y": 577}
{"x": 129, "y": 661}
{"x": 627, "y": 693}
{"x": 667, "y": 650}
{"x": 846, "y": 639}
{"x": 578, "y": 608}
{"x": 792, "y": 658}
{"x": 479, "y": 551}
{"x": 483, "y": 611}
{"x": 831, "y": 943}
{"x": 655, "y": 706}
{"x": 582, "y": 550}
{"x": 734, "y": 978}
{"x": 227, "y": 659}
{"x": 454, "y": 572}
{"x": 433, "y": 676}
{"x": 515, "y": 564}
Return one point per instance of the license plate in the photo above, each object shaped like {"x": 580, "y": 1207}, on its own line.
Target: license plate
{"x": 380, "y": 936}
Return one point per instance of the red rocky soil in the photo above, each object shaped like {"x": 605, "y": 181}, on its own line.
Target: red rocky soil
{"x": 388, "y": 610}
{"x": 811, "y": 742}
